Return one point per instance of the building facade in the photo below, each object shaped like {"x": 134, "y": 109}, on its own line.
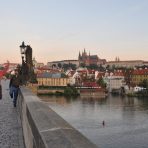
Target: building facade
{"x": 139, "y": 75}
{"x": 87, "y": 59}
{"x": 129, "y": 64}
{"x": 56, "y": 63}
{"x": 114, "y": 82}
{"x": 52, "y": 79}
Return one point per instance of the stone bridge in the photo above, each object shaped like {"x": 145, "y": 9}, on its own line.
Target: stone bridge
{"x": 32, "y": 124}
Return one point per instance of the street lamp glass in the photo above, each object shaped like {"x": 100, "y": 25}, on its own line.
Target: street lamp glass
{"x": 23, "y": 48}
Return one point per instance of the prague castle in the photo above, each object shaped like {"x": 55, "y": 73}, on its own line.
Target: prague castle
{"x": 87, "y": 59}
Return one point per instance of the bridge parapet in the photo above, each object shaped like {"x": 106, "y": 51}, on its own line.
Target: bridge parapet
{"x": 44, "y": 128}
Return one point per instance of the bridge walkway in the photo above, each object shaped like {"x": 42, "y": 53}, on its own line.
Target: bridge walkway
{"x": 11, "y": 135}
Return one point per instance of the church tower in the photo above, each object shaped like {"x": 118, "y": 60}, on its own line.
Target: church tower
{"x": 79, "y": 57}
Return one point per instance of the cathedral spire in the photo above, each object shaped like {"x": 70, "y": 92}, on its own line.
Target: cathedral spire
{"x": 79, "y": 55}
{"x": 84, "y": 50}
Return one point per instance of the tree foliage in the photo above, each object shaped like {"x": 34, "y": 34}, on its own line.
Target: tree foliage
{"x": 69, "y": 66}
{"x": 101, "y": 82}
{"x": 71, "y": 91}
{"x": 144, "y": 83}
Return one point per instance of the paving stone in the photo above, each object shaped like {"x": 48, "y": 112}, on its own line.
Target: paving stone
{"x": 10, "y": 125}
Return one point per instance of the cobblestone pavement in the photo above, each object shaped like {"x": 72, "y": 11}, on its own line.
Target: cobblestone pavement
{"x": 10, "y": 125}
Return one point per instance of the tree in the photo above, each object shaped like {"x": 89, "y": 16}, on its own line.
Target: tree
{"x": 144, "y": 83}
{"x": 93, "y": 66}
{"x": 113, "y": 67}
{"x": 7, "y": 75}
{"x": 101, "y": 82}
{"x": 63, "y": 75}
{"x": 128, "y": 75}
{"x": 71, "y": 91}
{"x": 53, "y": 65}
{"x": 101, "y": 68}
{"x": 59, "y": 65}
{"x": 65, "y": 66}
{"x": 108, "y": 67}
{"x": 70, "y": 65}
{"x": 73, "y": 66}
{"x": 82, "y": 65}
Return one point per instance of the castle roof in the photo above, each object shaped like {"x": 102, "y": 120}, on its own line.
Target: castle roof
{"x": 140, "y": 72}
{"x": 93, "y": 57}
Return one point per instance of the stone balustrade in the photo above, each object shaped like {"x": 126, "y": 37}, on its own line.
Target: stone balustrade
{"x": 44, "y": 128}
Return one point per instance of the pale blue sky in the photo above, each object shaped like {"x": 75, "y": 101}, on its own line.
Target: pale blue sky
{"x": 59, "y": 29}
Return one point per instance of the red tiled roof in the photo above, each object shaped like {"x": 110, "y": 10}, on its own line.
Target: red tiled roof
{"x": 4, "y": 71}
{"x": 118, "y": 74}
{"x": 91, "y": 71}
{"x": 140, "y": 72}
{"x": 90, "y": 84}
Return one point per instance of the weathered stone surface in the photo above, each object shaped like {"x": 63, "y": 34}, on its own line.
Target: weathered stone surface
{"x": 46, "y": 129}
{"x": 10, "y": 125}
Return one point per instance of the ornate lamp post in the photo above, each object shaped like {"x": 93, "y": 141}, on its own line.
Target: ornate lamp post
{"x": 23, "y": 48}
{"x": 23, "y": 51}
{"x": 23, "y": 68}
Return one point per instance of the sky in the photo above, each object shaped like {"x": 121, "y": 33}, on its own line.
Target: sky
{"x": 59, "y": 29}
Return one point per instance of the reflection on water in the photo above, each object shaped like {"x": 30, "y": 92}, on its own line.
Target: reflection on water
{"x": 126, "y": 119}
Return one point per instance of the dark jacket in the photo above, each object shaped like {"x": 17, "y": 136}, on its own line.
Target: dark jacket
{"x": 14, "y": 81}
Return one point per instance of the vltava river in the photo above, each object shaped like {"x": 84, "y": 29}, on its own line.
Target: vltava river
{"x": 126, "y": 119}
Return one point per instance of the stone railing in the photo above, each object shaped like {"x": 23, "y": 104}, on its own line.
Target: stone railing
{"x": 43, "y": 128}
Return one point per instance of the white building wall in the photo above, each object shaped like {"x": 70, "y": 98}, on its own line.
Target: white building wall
{"x": 114, "y": 82}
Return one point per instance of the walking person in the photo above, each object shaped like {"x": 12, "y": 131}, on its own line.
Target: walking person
{"x": 14, "y": 86}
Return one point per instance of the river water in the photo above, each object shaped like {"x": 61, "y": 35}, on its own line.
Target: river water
{"x": 126, "y": 119}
